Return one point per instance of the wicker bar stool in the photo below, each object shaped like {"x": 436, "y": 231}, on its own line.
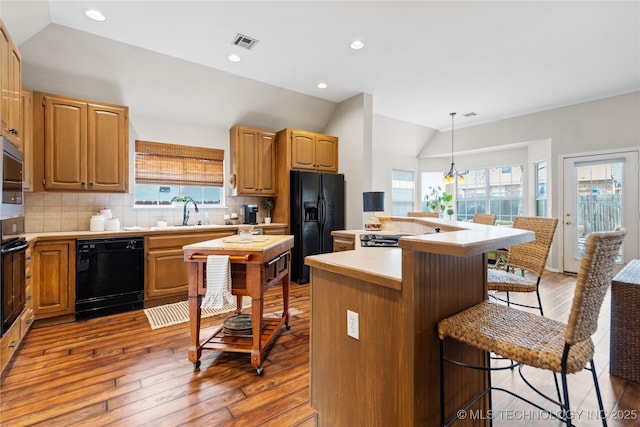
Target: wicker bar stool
{"x": 530, "y": 256}
{"x": 487, "y": 219}
{"x": 537, "y": 341}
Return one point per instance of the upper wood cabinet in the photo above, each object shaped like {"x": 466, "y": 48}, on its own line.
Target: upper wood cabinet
{"x": 253, "y": 161}
{"x": 11, "y": 87}
{"x": 309, "y": 150}
{"x": 85, "y": 144}
{"x": 27, "y": 140}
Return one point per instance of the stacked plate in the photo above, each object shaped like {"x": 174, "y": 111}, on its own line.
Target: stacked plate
{"x": 237, "y": 326}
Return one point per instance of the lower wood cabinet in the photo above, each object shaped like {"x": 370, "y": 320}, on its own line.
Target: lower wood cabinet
{"x": 165, "y": 272}
{"x": 343, "y": 243}
{"x": 54, "y": 282}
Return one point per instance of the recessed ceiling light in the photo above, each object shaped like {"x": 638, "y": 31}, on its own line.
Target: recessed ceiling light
{"x": 357, "y": 44}
{"x": 94, "y": 14}
{"x": 322, "y": 85}
{"x": 233, "y": 58}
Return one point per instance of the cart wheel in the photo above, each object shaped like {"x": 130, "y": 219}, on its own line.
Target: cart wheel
{"x": 259, "y": 370}
{"x": 196, "y": 365}
{"x": 288, "y": 326}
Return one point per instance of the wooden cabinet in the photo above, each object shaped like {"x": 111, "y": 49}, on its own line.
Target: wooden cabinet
{"x": 253, "y": 161}
{"x": 27, "y": 141}
{"x": 165, "y": 272}
{"x": 54, "y": 285}
{"x": 11, "y": 88}
{"x": 341, "y": 243}
{"x": 309, "y": 150}
{"x": 84, "y": 144}
{"x": 298, "y": 149}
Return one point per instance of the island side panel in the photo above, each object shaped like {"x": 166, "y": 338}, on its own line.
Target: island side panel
{"x": 444, "y": 285}
{"x": 365, "y": 381}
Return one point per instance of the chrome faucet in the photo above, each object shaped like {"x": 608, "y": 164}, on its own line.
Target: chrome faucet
{"x": 185, "y": 213}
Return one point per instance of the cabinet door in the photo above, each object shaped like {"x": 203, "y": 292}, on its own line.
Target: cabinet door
{"x": 54, "y": 285}
{"x": 326, "y": 153}
{"x": 65, "y": 144}
{"x": 15, "y": 96}
{"x": 106, "y": 154}
{"x": 27, "y": 140}
{"x": 166, "y": 274}
{"x": 4, "y": 80}
{"x": 267, "y": 163}
{"x": 247, "y": 158}
{"x": 303, "y": 151}
{"x": 255, "y": 162}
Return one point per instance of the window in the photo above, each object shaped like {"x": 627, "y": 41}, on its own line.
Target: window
{"x": 493, "y": 190}
{"x": 541, "y": 188}
{"x": 402, "y": 192}
{"x": 164, "y": 171}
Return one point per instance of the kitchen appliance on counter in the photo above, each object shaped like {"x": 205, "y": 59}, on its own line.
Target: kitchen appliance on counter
{"x": 250, "y": 214}
{"x": 12, "y": 283}
{"x": 109, "y": 276}
{"x": 317, "y": 209}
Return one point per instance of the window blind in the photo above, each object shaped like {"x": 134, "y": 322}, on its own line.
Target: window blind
{"x": 161, "y": 163}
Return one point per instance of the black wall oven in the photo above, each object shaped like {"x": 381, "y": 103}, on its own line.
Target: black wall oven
{"x": 13, "y": 251}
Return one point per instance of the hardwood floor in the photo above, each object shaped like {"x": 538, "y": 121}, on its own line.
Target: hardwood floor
{"x": 116, "y": 371}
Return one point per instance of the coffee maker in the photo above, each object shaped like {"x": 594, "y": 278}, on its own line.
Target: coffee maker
{"x": 250, "y": 214}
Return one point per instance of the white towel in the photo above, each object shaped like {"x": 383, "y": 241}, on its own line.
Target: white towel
{"x": 218, "y": 282}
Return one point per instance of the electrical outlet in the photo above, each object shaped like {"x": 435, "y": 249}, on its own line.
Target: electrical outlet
{"x": 353, "y": 324}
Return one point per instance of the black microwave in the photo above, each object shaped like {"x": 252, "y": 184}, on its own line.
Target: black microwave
{"x": 11, "y": 180}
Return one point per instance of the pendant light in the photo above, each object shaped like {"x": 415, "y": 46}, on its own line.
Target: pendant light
{"x": 452, "y": 174}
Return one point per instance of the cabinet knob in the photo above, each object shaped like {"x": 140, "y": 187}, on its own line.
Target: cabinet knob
{"x": 30, "y": 297}
{"x": 90, "y": 183}
{"x": 13, "y": 344}
{"x": 28, "y": 276}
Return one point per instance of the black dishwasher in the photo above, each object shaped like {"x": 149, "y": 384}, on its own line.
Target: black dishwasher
{"x": 109, "y": 276}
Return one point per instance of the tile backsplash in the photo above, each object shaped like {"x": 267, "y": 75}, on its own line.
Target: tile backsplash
{"x": 48, "y": 212}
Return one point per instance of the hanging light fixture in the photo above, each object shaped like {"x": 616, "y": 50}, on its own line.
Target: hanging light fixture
{"x": 452, "y": 174}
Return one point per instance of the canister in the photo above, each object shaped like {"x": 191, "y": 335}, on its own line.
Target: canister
{"x": 96, "y": 223}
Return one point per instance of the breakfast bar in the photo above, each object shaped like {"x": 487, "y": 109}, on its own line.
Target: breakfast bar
{"x": 390, "y": 373}
{"x": 256, "y": 265}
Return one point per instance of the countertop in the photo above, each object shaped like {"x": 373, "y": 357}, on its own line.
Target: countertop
{"x": 383, "y": 265}
{"x": 258, "y": 243}
{"x": 144, "y": 231}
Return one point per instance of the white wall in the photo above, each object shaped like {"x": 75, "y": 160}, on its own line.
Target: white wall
{"x": 352, "y": 122}
{"x": 606, "y": 124}
{"x": 395, "y": 144}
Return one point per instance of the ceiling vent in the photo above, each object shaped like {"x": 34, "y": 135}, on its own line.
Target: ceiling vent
{"x": 244, "y": 41}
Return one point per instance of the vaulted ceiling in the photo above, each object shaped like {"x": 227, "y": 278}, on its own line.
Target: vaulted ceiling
{"x": 420, "y": 60}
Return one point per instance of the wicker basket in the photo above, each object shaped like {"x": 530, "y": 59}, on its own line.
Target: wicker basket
{"x": 625, "y": 323}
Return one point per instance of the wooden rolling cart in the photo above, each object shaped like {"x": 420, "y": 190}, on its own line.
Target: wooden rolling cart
{"x": 256, "y": 266}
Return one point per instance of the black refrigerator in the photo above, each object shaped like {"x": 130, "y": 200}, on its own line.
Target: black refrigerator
{"x": 317, "y": 209}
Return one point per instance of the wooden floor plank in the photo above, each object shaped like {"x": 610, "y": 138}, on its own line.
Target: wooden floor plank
{"x": 117, "y": 371}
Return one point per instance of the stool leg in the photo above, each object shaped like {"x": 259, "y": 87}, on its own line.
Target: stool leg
{"x": 566, "y": 408}
{"x": 442, "y": 420}
{"x": 602, "y": 414}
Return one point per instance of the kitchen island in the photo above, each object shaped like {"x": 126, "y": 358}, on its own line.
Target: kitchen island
{"x": 256, "y": 265}
{"x": 390, "y": 374}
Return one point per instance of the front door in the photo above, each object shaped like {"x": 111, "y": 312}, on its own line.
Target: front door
{"x": 600, "y": 194}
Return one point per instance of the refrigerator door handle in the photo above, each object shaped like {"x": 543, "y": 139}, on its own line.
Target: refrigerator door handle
{"x": 321, "y": 212}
